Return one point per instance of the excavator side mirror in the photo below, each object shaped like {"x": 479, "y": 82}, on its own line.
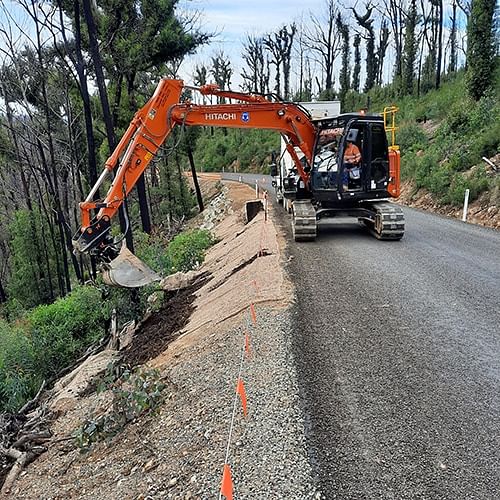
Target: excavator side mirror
{"x": 274, "y": 169}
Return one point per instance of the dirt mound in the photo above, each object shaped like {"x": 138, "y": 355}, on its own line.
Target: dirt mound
{"x": 162, "y": 327}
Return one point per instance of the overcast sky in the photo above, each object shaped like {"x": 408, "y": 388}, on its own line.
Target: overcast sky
{"x": 233, "y": 20}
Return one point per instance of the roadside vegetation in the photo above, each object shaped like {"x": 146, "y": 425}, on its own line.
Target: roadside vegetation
{"x": 443, "y": 135}
{"x": 37, "y": 344}
{"x": 235, "y": 150}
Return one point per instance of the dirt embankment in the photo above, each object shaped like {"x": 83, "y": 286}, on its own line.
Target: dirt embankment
{"x": 195, "y": 341}
{"x": 484, "y": 211}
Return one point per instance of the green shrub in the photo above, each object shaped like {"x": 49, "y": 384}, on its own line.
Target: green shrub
{"x": 411, "y": 137}
{"x": 133, "y": 394}
{"x": 439, "y": 180}
{"x": 408, "y": 165}
{"x": 187, "y": 250}
{"x": 153, "y": 251}
{"x": 477, "y": 183}
{"x": 461, "y": 158}
{"x": 33, "y": 258}
{"x": 458, "y": 122}
{"x": 423, "y": 169}
{"x": 59, "y": 332}
{"x": 183, "y": 253}
{"x": 50, "y": 338}
{"x": 129, "y": 303}
{"x": 12, "y": 310}
{"x": 18, "y": 380}
{"x": 487, "y": 142}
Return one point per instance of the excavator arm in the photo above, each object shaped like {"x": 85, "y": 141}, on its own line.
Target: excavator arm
{"x": 150, "y": 128}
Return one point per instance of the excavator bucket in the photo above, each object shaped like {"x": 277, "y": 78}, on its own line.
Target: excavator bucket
{"x": 128, "y": 271}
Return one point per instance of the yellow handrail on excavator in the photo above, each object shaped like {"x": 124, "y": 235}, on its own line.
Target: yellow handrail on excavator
{"x": 390, "y": 124}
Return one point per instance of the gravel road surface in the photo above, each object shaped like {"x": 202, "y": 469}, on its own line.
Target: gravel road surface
{"x": 398, "y": 353}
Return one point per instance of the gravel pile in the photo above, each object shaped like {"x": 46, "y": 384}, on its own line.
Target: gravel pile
{"x": 268, "y": 455}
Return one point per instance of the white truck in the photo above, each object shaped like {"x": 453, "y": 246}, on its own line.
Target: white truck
{"x": 284, "y": 164}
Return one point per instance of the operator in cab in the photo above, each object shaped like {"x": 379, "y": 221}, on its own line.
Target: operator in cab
{"x": 352, "y": 161}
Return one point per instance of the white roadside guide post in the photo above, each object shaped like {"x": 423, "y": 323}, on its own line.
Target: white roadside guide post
{"x": 256, "y": 189}
{"x": 466, "y": 205}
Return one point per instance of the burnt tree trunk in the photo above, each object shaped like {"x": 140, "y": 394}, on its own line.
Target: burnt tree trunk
{"x": 141, "y": 184}
{"x": 143, "y": 205}
{"x": 199, "y": 197}
{"x": 106, "y": 112}
{"x": 3, "y": 295}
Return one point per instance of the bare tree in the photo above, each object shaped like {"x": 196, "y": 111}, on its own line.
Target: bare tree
{"x": 324, "y": 41}
{"x": 279, "y": 44}
{"x": 410, "y": 50}
{"x": 383, "y": 43}
{"x": 357, "y": 63}
{"x": 344, "y": 77}
{"x": 221, "y": 71}
{"x": 200, "y": 76}
{"x": 432, "y": 34}
{"x": 366, "y": 22}
{"x": 395, "y": 11}
{"x": 439, "y": 28}
{"x": 453, "y": 63}
{"x": 256, "y": 74}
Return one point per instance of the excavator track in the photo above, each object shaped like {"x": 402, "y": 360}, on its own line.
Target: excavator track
{"x": 303, "y": 220}
{"x": 389, "y": 221}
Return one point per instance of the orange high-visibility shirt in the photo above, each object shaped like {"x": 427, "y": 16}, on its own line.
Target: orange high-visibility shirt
{"x": 352, "y": 153}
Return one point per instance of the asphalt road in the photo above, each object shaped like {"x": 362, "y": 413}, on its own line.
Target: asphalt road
{"x": 264, "y": 181}
{"x": 398, "y": 351}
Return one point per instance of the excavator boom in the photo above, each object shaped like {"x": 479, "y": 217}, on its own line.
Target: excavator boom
{"x": 150, "y": 128}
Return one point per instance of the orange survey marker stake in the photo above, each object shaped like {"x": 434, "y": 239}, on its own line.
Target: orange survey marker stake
{"x": 253, "y": 314}
{"x": 226, "y": 487}
{"x": 240, "y": 389}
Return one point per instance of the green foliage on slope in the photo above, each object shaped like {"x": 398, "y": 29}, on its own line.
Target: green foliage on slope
{"x": 443, "y": 134}
{"x": 241, "y": 148}
{"x": 38, "y": 344}
{"x": 49, "y": 338}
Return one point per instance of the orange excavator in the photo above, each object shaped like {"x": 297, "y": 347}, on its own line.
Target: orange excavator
{"x": 321, "y": 185}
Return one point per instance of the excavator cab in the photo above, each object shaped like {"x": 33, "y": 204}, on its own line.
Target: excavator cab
{"x": 354, "y": 172}
{"x": 366, "y": 178}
